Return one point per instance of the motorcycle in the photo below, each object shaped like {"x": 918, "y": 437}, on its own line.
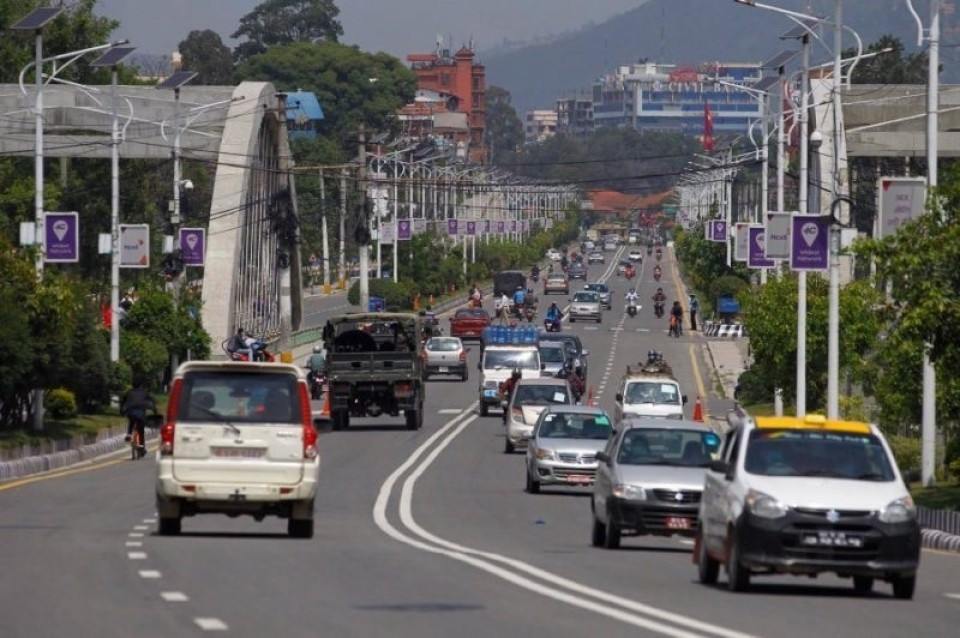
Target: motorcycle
{"x": 260, "y": 352}
{"x": 631, "y": 309}
{"x": 656, "y": 275}
{"x": 659, "y": 255}
{"x": 551, "y": 325}
{"x": 577, "y": 385}
{"x": 316, "y": 381}
{"x": 629, "y": 273}
{"x": 658, "y": 309}
{"x": 535, "y": 276}
{"x": 675, "y": 328}
{"x": 530, "y": 313}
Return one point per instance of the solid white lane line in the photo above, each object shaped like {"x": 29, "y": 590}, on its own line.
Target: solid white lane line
{"x": 450, "y": 411}
{"x": 135, "y": 535}
{"x": 149, "y": 573}
{"x": 210, "y": 624}
{"x": 603, "y": 607}
{"x": 133, "y": 544}
{"x": 150, "y": 521}
{"x": 174, "y": 596}
{"x": 137, "y": 555}
{"x": 952, "y": 596}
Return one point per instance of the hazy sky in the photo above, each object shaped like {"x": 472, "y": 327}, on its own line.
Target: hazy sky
{"x": 395, "y": 26}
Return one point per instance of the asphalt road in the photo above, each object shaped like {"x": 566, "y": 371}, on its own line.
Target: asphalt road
{"x": 419, "y": 534}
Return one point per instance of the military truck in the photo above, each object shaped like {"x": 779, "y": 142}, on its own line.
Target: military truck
{"x": 374, "y": 367}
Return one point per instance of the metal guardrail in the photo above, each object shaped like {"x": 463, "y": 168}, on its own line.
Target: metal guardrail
{"x": 942, "y": 520}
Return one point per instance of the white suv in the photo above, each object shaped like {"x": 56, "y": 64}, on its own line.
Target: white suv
{"x": 238, "y": 439}
{"x": 806, "y": 496}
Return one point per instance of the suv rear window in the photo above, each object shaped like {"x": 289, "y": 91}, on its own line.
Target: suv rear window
{"x": 239, "y": 397}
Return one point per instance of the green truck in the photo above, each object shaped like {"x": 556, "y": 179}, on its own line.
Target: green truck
{"x": 374, "y": 367}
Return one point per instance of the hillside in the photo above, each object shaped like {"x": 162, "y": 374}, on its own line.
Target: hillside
{"x": 680, "y": 31}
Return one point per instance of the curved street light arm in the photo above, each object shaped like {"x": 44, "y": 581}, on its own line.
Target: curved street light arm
{"x": 916, "y": 17}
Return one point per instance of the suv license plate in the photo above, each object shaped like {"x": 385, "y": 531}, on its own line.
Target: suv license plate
{"x": 443, "y": 369}
{"x": 579, "y": 478}
{"x": 832, "y": 539}
{"x": 677, "y": 522}
{"x": 238, "y": 452}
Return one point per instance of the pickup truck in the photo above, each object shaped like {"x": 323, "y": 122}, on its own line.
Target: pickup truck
{"x": 468, "y": 323}
{"x": 374, "y": 367}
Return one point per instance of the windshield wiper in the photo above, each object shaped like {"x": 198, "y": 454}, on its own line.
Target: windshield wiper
{"x": 824, "y": 473}
{"x": 219, "y": 417}
{"x": 873, "y": 476}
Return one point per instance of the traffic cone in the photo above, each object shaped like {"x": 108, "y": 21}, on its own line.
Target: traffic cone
{"x": 325, "y": 410}
{"x": 698, "y": 411}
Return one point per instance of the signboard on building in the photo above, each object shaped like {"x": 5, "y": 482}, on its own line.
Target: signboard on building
{"x": 471, "y": 229}
{"x": 901, "y": 200}
{"x": 386, "y": 232}
{"x": 485, "y": 229}
{"x": 61, "y": 238}
{"x": 134, "y": 245}
{"x": 419, "y": 225}
{"x": 719, "y": 231}
{"x": 777, "y": 235}
{"x": 193, "y": 243}
{"x": 452, "y": 227}
{"x": 756, "y": 257}
{"x": 404, "y": 230}
{"x": 810, "y": 243}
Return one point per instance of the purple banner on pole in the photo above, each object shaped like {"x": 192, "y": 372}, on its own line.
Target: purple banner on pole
{"x": 501, "y": 228}
{"x": 471, "y": 228}
{"x": 486, "y": 227}
{"x": 719, "y": 232}
{"x": 756, "y": 258}
{"x": 810, "y": 242}
{"x": 452, "y": 227}
{"x": 513, "y": 225}
{"x": 404, "y": 230}
{"x": 193, "y": 243}
{"x": 61, "y": 238}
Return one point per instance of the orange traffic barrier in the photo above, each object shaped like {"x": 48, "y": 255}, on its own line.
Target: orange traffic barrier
{"x": 698, "y": 411}
{"x": 325, "y": 410}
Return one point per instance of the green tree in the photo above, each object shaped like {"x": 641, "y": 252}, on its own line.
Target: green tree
{"x": 341, "y": 76}
{"x": 704, "y": 261}
{"x": 276, "y": 22}
{"x": 205, "y": 53}
{"x": 504, "y": 131}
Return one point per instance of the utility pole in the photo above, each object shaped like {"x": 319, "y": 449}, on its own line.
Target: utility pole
{"x": 363, "y": 224}
{"x": 833, "y": 319}
{"x": 804, "y": 193}
{"x": 342, "y": 283}
{"x": 326, "y": 237}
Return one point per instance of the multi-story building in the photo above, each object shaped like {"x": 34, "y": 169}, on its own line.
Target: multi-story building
{"x": 575, "y": 115}
{"x": 673, "y": 97}
{"x": 460, "y": 82}
{"x": 540, "y": 125}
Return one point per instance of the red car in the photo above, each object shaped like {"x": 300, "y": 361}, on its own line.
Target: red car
{"x": 468, "y": 323}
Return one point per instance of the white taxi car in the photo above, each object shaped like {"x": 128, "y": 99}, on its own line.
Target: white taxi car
{"x": 807, "y": 496}
{"x": 238, "y": 440}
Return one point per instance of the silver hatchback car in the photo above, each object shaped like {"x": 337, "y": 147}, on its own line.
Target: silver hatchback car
{"x": 564, "y": 446}
{"x": 650, "y": 479}
{"x": 585, "y": 304}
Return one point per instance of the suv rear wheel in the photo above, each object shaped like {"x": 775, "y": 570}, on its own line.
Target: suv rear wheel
{"x": 738, "y": 576}
{"x": 300, "y": 528}
{"x": 169, "y": 526}
{"x": 599, "y": 533}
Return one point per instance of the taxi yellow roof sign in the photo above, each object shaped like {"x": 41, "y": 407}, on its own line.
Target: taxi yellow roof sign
{"x": 811, "y": 422}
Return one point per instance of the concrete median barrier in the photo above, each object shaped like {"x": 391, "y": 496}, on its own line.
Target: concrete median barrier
{"x": 22, "y": 467}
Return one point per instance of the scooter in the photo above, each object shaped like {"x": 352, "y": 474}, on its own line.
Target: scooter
{"x": 260, "y": 352}
{"x": 577, "y": 385}
{"x": 629, "y": 273}
{"x": 656, "y": 275}
{"x": 632, "y": 309}
{"x": 658, "y": 309}
{"x": 551, "y": 325}
{"x": 316, "y": 381}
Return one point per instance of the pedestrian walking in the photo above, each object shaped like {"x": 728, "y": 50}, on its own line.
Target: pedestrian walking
{"x": 694, "y": 308}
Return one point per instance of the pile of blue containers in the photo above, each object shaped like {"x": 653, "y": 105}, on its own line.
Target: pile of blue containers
{"x": 511, "y": 335}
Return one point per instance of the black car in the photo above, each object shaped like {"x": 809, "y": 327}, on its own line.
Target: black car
{"x": 577, "y": 270}
{"x": 575, "y": 347}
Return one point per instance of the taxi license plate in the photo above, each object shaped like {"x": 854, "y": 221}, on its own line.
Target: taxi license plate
{"x": 832, "y": 539}
{"x": 444, "y": 369}
{"x": 579, "y": 478}
{"x": 677, "y": 522}
{"x": 238, "y": 452}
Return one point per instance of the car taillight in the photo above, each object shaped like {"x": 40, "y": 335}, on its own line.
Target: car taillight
{"x": 402, "y": 390}
{"x": 310, "y": 450}
{"x": 168, "y": 430}
{"x": 463, "y": 356}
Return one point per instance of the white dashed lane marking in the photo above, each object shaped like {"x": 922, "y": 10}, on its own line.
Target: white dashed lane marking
{"x": 137, "y": 555}
{"x": 210, "y": 624}
{"x": 953, "y": 596}
{"x": 135, "y": 535}
{"x": 133, "y": 544}
{"x": 141, "y": 528}
{"x": 150, "y": 521}
{"x": 174, "y": 596}
{"x": 450, "y": 411}
{"x": 149, "y": 573}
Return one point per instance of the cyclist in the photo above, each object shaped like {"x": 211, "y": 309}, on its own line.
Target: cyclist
{"x": 135, "y": 404}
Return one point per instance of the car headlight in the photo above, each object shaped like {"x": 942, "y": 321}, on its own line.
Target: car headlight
{"x": 629, "y": 492}
{"x": 545, "y": 455}
{"x": 899, "y": 511}
{"x": 764, "y": 505}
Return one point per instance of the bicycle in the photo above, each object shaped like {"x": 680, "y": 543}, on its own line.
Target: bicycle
{"x": 138, "y": 444}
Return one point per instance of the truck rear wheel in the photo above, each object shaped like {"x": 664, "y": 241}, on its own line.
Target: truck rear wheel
{"x": 414, "y": 418}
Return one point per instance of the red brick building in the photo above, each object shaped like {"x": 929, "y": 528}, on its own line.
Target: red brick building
{"x": 462, "y": 83}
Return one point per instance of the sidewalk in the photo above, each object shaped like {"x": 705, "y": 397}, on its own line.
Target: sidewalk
{"x": 729, "y": 358}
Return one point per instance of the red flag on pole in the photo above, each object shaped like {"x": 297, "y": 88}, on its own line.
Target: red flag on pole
{"x": 707, "y": 128}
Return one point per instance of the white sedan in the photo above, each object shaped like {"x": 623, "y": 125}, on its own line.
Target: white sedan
{"x": 554, "y": 255}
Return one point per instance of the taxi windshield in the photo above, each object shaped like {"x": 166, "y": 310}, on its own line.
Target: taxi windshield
{"x": 822, "y": 453}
